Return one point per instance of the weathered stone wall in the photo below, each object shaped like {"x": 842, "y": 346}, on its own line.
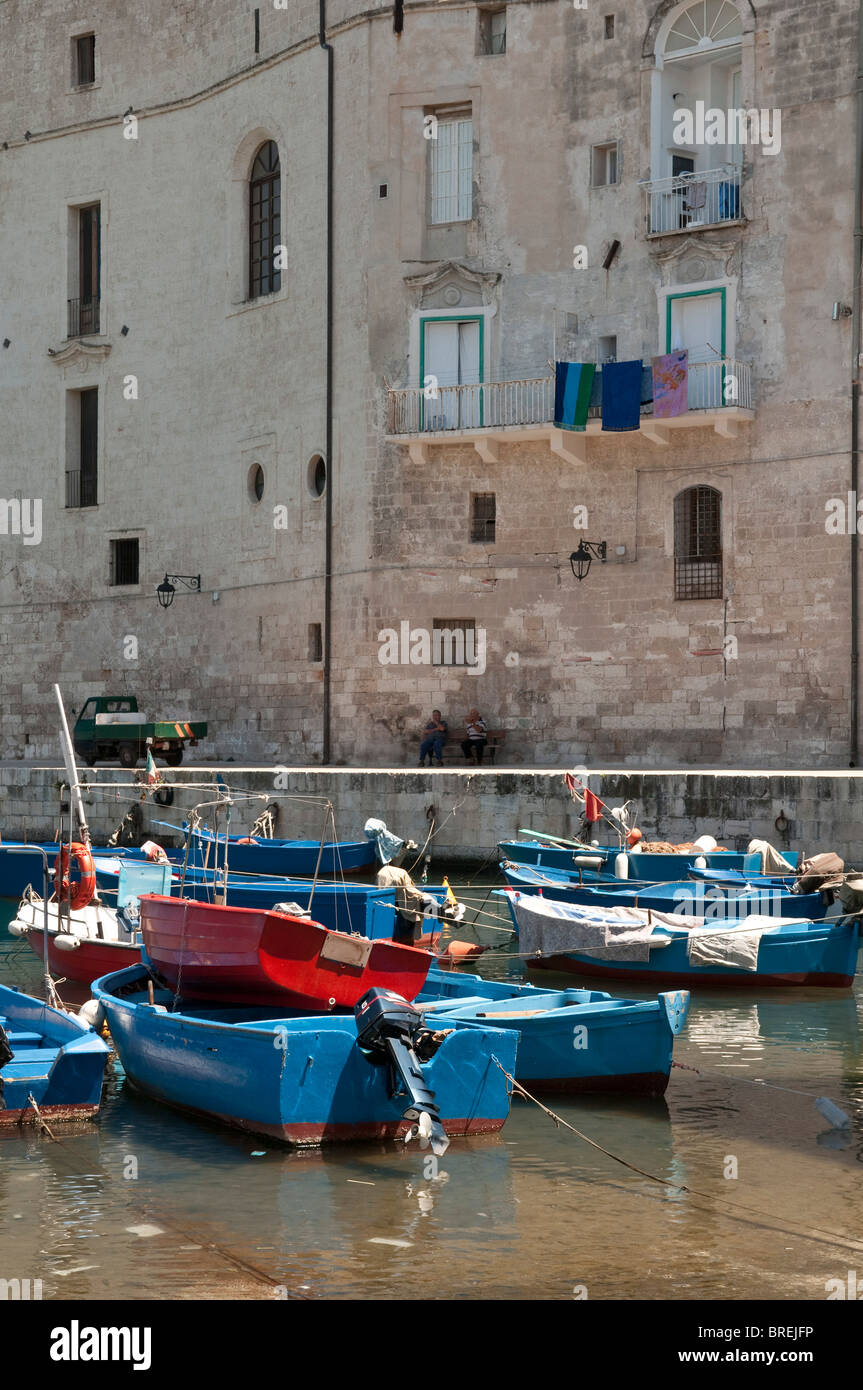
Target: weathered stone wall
{"x": 472, "y": 811}
{"x": 608, "y": 670}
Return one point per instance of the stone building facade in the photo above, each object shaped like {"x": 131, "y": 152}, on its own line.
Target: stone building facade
{"x": 512, "y": 185}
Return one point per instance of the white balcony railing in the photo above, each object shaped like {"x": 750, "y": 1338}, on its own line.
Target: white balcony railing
{"x": 458, "y": 408}
{"x": 689, "y": 201}
{"x": 491, "y": 405}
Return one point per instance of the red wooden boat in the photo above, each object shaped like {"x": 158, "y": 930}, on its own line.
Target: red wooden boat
{"x": 253, "y": 955}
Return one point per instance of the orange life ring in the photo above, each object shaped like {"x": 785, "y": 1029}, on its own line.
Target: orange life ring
{"x": 80, "y": 893}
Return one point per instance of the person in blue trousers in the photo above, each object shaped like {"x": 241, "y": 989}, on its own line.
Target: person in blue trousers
{"x": 435, "y": 737}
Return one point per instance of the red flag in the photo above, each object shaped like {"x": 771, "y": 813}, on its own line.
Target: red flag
{"x": 591, "y": 808}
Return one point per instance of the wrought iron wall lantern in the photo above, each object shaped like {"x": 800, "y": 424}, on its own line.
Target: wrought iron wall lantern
{"x": 168, "y": 587}
{"x": 580, "y": 559}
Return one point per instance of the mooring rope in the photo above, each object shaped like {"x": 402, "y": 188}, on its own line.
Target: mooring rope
{"x": 822, "y": 1236}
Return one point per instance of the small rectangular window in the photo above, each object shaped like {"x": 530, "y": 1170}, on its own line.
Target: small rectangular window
{"x": 682, "y": 164}
{"x": 609, "y": 26}
{"x": 606, "y": 349}
{"x": 492, "y": 31}
{"x": 482, "y": 517}
{"x": 85, "y": 60}
{"x": 316, "y": 644}
{"x": 124, "y": 562}
{"x": 450, "y": 168}
{"x": 454, "y": 642}
{"x": 605, "y": 164}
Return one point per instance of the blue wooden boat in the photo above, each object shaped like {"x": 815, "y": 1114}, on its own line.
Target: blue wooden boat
{"x": 350, "y": 906}
{"x": 286, "y": 858}
{"x": 56, "y": 1058}
{"x": 297, "y": 1078}
{"x": 714, "y": 901}
{"x": 738, "y": 879}
{"x": 789, "y": 952}
{"x": 642, "y": 866}
{"x": 572, "y": 1040}
{"x": 267, "y": 858}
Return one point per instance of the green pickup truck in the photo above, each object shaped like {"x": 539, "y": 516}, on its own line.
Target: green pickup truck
{"x": 111, "y": 726}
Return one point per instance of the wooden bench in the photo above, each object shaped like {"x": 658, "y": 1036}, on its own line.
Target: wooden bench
{"x": 495, "y": 738}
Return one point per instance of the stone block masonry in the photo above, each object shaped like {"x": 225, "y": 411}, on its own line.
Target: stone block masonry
{"x": 471, "y": 810}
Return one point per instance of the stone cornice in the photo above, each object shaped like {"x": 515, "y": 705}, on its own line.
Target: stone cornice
{"x": 80, "y": 352}
{"x": 484, "y": 281}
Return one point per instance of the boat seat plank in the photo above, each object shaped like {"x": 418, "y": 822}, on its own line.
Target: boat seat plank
{"x": 23, "y": 1039}
{"x": 26, "y": 1056}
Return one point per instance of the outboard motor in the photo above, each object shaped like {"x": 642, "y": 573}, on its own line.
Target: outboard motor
{"x": 389, "y": 1027}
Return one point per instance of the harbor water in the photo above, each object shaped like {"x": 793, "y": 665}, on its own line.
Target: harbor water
{"x": 736, "y": 1190}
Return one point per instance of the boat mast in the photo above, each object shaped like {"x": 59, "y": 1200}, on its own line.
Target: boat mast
{"x": 72, "y": 772}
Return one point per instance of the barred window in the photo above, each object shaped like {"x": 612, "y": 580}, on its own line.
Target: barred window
{"x": 482, "y": 517}
{"x": 451, "y": 170}
{"x": 84, "y": 57}
{"x": 454, "y": 642}
{"x": 265, "y": 221}
{"x": 124, "y": 561}
{"x": 698, "y": 543}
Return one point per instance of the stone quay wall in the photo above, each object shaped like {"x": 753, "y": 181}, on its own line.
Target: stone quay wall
{"x": 469, "y": 812}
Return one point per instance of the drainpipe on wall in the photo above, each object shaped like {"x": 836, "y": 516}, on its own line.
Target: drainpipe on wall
{"x": 855, "y": 397}
{"x": 328, "y": 446}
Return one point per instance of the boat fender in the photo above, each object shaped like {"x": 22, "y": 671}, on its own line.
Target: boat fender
{"x": 705, "y": 843}
{"x": 831, "y": 1112}
{"x": 20, "y": 928}
{"x": 463, "y": 950}
{"x": 81, "y": 893}
{"x": 700, "y": 862}
{"x": 587, "y": 861}
{"x": 93, "y": 1012}
{"x": 676, "y": 1004}
{"x": 621, "y": 866}
{"x": 64, "y": 941}
{"x": 246, "y": 840}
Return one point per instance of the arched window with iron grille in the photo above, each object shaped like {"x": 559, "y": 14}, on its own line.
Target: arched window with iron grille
{"x": 265, "y": 221}
{"x": 698, "y": 543}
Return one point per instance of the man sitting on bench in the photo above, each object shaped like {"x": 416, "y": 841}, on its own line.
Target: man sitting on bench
{"x": 476, "y": 737}
{"x": 435, "y": 731}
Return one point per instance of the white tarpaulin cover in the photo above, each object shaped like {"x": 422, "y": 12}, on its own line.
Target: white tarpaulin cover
{"x": 612, "y": 933}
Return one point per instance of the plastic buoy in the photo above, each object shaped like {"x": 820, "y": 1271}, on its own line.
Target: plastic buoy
{"x": 837, "y": 1118}
{"x": 700, "y": 862}
{"x": 621, "y": 866}
{"x": 463, "y": 950}
{"x": 19, "y": 928}
{"x": 65, "y": 942}
{"x": 93, "y": 1013}
{"x": 705, "y": 843}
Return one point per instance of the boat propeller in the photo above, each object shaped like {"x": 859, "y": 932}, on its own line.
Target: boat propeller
{"x": 388, "y": 1026}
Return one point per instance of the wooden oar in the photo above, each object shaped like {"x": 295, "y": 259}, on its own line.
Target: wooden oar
{"x": 555, "y": 839}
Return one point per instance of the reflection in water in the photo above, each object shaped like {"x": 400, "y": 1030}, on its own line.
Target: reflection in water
{"x": 533, "y": 1212}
